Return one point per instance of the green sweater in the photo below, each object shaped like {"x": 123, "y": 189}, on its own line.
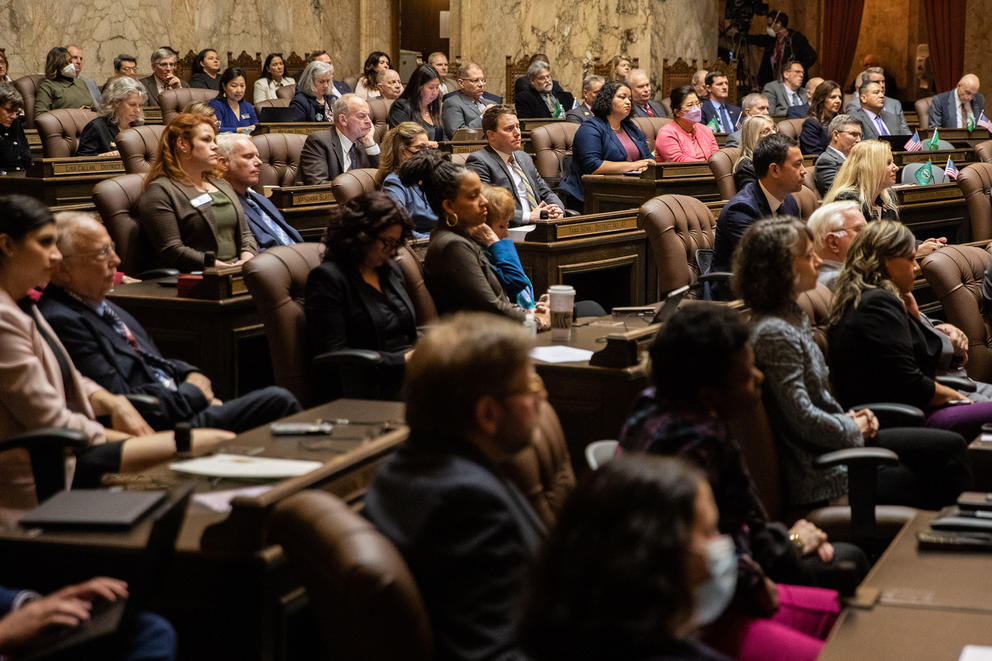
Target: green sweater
{"x": 61, "y": 93}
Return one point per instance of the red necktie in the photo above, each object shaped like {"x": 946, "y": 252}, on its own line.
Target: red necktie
{"x": 647, "y": 109}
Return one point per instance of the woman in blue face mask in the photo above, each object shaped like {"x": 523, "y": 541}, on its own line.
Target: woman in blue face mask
{"x": 685, "y": 139}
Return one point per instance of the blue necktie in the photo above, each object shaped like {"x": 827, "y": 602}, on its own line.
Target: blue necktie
{"x": 725, "y": 120}
{"x": 273, "y": 226}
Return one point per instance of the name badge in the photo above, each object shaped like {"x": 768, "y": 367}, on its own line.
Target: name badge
{"x": 244, "y": 117}
{"x": 200, "y": 200}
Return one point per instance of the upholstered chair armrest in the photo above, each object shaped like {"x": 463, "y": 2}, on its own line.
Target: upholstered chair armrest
{"x": 894, "y": 414}
{"x": 959, "y": 383}
{"x": 857, "y": 457}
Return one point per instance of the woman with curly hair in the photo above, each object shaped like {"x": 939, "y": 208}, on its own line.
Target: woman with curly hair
{"x": 775, "y": 263}
{"x": 187, "y": 209}
{"x": 120, "y": 109}
{"x": 356, "y": 298}
{"x": 825, "y": 104}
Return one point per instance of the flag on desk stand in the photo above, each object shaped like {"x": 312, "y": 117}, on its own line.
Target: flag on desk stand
{"x": 740, "y": 122}
{"x": 933, "y": 144}
{"x": 924, "y": 175}
{"x": 950, "y": 170}
{"x": 970, "y": 124}
{"x": 984, "y": 122}
{"x": 914, "y": 143}
{"x": 713, "y": 125}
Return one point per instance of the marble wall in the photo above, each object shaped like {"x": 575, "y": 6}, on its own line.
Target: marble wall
{"x": 348, "y": 29}
{"x": 978, "y": 42}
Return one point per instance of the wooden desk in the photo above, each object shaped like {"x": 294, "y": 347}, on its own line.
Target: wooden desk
{"x": 303, "y": 128}
{"x": 961, "y": 156}
{"x": 957, "y": 137}
{"x": 61, "y": 181}
{"x": 935, "y": 210}
{"x": 224, "y": 338}
{"x": 604, "y": 256}
{"x": 618, "y": 192}
{"x": 304, "y": 207}
{"x": 229, "y": 594}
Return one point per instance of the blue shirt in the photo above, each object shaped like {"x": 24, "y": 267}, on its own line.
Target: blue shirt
{"x": 413, "y": 200}
{"x": 228, "y": 122}
{"x": 506, "y": 262}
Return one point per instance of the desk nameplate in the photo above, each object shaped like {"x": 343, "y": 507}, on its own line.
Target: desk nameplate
{"x": 952, "y": 135}
{"x": 656, "y": 171}
{"x": 300, "y": 128}
{"x": 574, "y": 230}
{"x": 927, "y": 193}
{"x": 302, "y": 196}
{"x": 75, "y": 166}
{"x": 938, "y": 157}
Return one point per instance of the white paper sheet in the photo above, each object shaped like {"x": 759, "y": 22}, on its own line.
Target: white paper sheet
{"x": 240, "y": 466}
{"x": 559, "y": 353}
{"x": 976, "y": 653}
{"x": 220, "y": 501}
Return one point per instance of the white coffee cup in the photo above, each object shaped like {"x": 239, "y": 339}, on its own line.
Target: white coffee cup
{"x": 562, "y": 304}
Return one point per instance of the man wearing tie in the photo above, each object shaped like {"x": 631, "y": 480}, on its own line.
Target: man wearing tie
{"x": 640, "y": 95}
{"x": 239, "y": 156}
{"x": 503, "y": 164}
{"x": 958, "y": 107}
{"x": 725, "y": 113}
{"x": 348, "y": 145}
{"x": 537, "y": 99}
{"x": 787, "y": 93}
{"x": 464, "y": 108}
{"x": 875, "y": 120}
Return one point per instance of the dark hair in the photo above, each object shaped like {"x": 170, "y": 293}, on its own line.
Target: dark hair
{"x": 611, "y": 581}
{"x": 20, "y": 214}
{"x": 779, "y": 17}
{"x": 713, "y": 75}
{"x": 678, "y": 96}
{"x": 788, "y": 65}
{"x": 436, "y": 175}
{"x": 820, "y": 94}
{"x": 317, "y": 53}
{"x": 121, "y": 59}
{"x": 268, "y": 61}
{"x": 420, "y": 77}
{"x": 55, "y": 61}
{"x": 368, "y": 70}
{"x": 695, "y": 348}
{"x": 490, "y": 118}
{"x": 772, "y": 148}
{"x": 198, "y": 60}
{"x": 10, "y": 96}
{"x": 230, "y": 74}
{"x": 602, "y": 105}
{"x": 354, "y": 226}
{"x": 762, "y": 264}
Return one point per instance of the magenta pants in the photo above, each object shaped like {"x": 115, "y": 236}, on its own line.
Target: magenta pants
{"x": 795, "y": 633}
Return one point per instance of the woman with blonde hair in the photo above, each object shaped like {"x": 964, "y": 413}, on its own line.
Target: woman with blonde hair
{"x": 867, "y": 177}
{"x": 752, "y": 131}
{"x": 187, "y": 209}
{"x": 398, "y": 146}
{"x": 493, "y": 236}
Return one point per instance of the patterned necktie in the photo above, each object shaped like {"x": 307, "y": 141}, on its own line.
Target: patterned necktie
{"x": 882, "y": 129}
{"x": 964, "y": 116}
{"x": 725, "y": 120}
{"x": 647, "y": 109}
{"x": 553, "y": 106}
{"x": 156, "y": 364}
{"x": 271, "y": 224}
{"x": 527, "y": 190}
{"x": 353, "y": 157}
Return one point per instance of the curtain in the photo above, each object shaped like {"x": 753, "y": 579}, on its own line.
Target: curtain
{"x": 841, "y": 25}
{"x": 945, "y": 27}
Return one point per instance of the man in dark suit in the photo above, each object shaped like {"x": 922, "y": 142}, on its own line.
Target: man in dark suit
{"x": 954, "y": 108}
{"x": 538, "y": 98}
{"x": 788, "y": 92}
{"x": 163, "y": 75}
{"x": 239, "y": 157}
{"x": 468, "y": 534}
{"x": 726, "y": 114}
{"x": 591, "y": 85}
{"x": 523, "y": 83}
{"x": 779, "y": 166}
{"x": 875, "y": 120}
{"x": 109, "y": 346}
{"x": 464, "y": 109}
{"x": 348, "y": 145}
{"x": 781, "y": 45}
{"x": 797, "y": 112}
{"x": 640, "y": 96}
{"x": 845, "y": 132}
{"x": 503, "y": 164}
{"x": 875, "y": 75}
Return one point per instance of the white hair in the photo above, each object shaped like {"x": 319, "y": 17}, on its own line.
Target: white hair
{"x": 314, "y": 69}
{"x": 117, "y": 90}
{"x": 226, "y": 142}
{"x": 829, "y": 218}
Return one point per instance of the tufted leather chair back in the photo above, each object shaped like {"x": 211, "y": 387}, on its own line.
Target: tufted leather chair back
{"x": 416, "y": 287}
{"x": 791, "y": 127}
{"x": 28, "y": 87}
{"x": 808, "y": 201}
{"x": 955, "y": 274}
{"x": 117, "y": 201}
{"x": 270, "y": 103}
{"x": 356, "y": 580}
{"x": 280, "y": 154}
{"x": 923, "y": 111}
{"x": 59, "y": 130}
{"x": 721, "y": 164}
{"x": 378, "y": 110}
{"x": 975, "y": 181}
{"x": 810, "y": 183}
{"x": 139, "y": 147}
{"x": 286, "y": 92}
{"x": 677, "y": 226}
{"x": 349, "y": 185}
{"x": 172, "y": 101}
{"x": 650, "y": 127}
{"x": 551, "y": 142}
{"x": 816, "y": 304}
{"x": 983, "y": 150}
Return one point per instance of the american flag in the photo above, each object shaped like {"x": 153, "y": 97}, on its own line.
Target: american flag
{"x": 914, "y": 143}
{"x": 950, "y": 170}
{"x": 984, "y": 122}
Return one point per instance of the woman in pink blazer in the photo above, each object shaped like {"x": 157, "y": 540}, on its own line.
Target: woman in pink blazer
{"x": 685, "y": 139}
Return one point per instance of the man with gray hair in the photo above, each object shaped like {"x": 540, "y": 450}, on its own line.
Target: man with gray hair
{"x": 76, "y": 54}
{"x": 522, "y": 84}
{"x": 754, "y": 104}
{"x": 640, "y": 95}
{"x": 845, "y": 132}
{"x": 834, "y": 227}
{"x": 163, "y": 76}
{"x": 239, "y": 157}
{"x": 537, "y": 99}
{"x": 875, "y": 120}
{"x": 464, "y": 108}
{"x": 590, "y": 88}
{"x": 350, "y": 144}
{"x": 875, "y": 75}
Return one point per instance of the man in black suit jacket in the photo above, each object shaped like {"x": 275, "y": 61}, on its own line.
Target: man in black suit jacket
{"x": 640, "y": 96}
{"x": 590, "y": 88}
{"x": 109, "y": 346}
{"x": 727, "y": 115}
{"x": 538, "y": 97}
{"x": 348, "y": 145}
{"x": 779, "y": 166}
{"x": 444, "y": 498}
{"x": 945, "y": 108}
{"x": 239, "y": 156}
{"x": 875, "y": 119}
{"x": 503, "y": 164}
{"x": 781, "y": 45}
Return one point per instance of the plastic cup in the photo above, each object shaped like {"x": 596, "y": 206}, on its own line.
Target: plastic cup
{"x": 562, "y": 304}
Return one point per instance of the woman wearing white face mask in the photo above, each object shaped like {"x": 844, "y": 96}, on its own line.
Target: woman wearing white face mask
{"x": 685, "y": 139}
{"x": 61, "y": 88}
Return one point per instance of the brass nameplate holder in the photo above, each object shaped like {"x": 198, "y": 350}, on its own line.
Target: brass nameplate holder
{"x": 75, "y": 166}
{"x": 955, "y": 134}
{"x": 656, "y": 171}
{"x": 575, "y": 230}
{"x": 573, "y": 227}
{"x": 220, "y": 282}
{"x": 928, "y": 193}
{"x": 939, "y": 157}
{"x": 301, "y": 128}
{"x": 285, "y": 197}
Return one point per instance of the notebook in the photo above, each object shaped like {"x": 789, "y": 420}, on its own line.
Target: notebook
{"x": 92, "y": 508}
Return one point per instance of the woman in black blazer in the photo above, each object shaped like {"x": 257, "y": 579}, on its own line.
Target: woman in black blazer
{"x": 357, "y": 299}
{"x": 120, "y": 109}
{"x": 421, "y": 103}
{"x": 826, "y": 103}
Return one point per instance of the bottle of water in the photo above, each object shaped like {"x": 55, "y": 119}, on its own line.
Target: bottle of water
{"x": 530, "y": 324}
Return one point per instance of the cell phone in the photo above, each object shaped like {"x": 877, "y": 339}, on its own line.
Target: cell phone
{"x": 301, "y": 428}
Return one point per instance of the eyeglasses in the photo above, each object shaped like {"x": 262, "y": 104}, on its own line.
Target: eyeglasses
{"x": 389, "y": 244}
{"x": 165, "y": 65}
{"x": 853, "y": 134}
{"x": 474, "y": 81}
{"x": 129, "y": 69}
{"x": 690, "y": 106}
{"x": 417, "y": 149}
{"x": 535, "y": 385}
{"x": 101, "y": 254}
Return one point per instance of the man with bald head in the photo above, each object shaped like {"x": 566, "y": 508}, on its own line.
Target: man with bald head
{"x": 699, "y": 85}
{"x": 959, "y": 107}
{"x": 348, "y": 145}
{"x": 640, "y": 95}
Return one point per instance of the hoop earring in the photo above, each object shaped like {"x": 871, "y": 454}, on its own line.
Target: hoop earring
{"x": 451, "y": 219}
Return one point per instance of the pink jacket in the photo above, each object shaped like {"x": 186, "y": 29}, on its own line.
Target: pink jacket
{"x": 674, "y": 144}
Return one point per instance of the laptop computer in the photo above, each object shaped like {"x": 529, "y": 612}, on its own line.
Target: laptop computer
{"x": 275, "y": 115}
